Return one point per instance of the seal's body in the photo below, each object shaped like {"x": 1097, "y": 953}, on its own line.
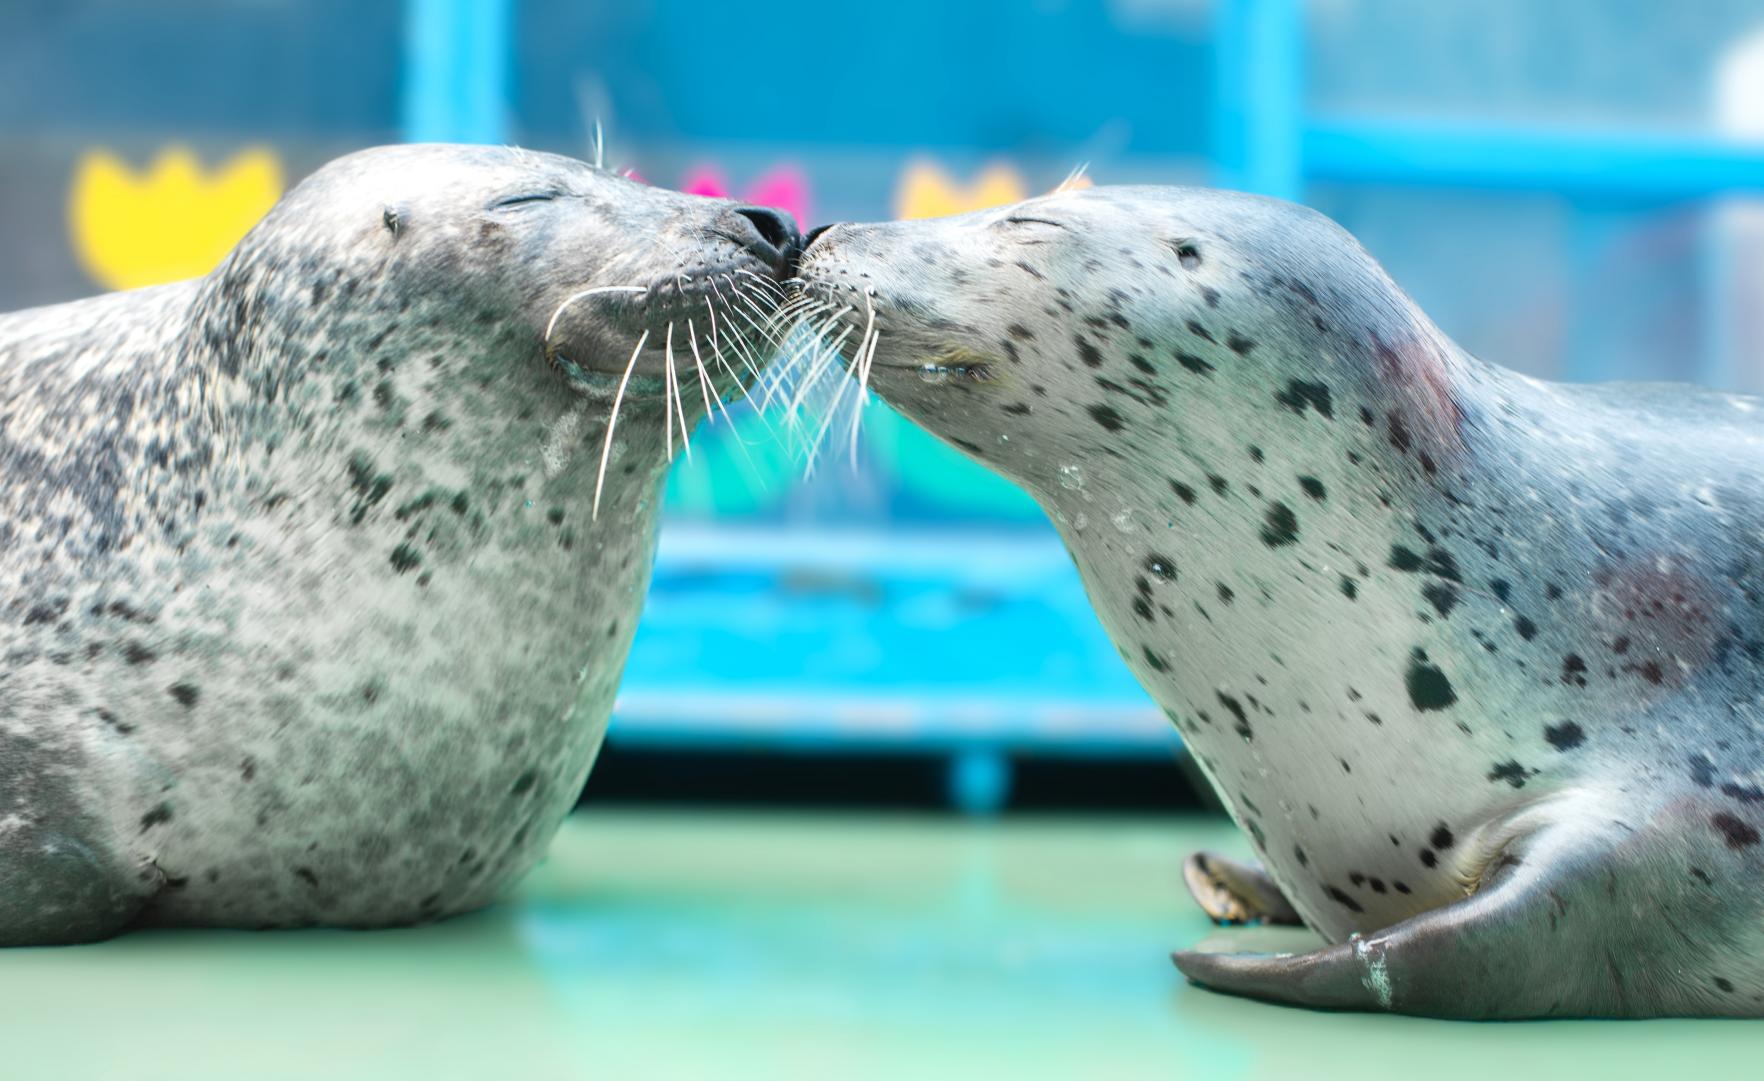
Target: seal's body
{"x": 1477, "y": 661}
{"x": 304, "y": 613}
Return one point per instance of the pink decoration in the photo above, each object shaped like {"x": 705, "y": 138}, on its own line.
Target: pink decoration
{"x": 784, "y": 186}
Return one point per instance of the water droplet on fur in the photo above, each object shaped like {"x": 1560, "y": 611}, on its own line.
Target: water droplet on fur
{"x": 1080, "y": 520}
{"x": 1124, "y": 520}
{"x": 1072, "y": 478}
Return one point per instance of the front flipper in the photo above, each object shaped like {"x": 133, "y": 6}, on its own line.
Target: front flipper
{"x": 1235, "y": 893}
{"x": 1564, "y": 923}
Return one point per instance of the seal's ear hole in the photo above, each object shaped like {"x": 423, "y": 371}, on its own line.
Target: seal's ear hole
{"x": 393, "y": 219}
{"x": 1186, "y": 253}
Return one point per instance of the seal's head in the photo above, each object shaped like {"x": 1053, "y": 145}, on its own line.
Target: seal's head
{"x": 557, "y": 258}
{"x": 1090, "y": 325}
{"x": 418, "y": 286}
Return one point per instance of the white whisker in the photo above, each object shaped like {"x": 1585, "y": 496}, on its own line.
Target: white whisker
{"x": 611, "y": 421}
{"x": 679, "y": 401}
{"x": 573, "y": 297}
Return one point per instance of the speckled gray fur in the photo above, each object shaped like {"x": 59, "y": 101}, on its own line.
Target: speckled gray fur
{"x": 1476, "y": 660}
{"x": 303, "y": 615}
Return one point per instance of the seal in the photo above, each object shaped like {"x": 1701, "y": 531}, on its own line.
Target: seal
{"x": 1477, "y": 661}
{"x": 307, "y": 613}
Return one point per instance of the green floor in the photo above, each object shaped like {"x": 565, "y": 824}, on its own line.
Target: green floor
{"x": 737, "y": 945}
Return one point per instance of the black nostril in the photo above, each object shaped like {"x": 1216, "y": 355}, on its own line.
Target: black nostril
{"x": 775, "y": 226}
{"x": 815, "y": 234}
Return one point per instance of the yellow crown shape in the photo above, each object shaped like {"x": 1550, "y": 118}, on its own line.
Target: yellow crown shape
{"x": 926, "y": 191}
{"x": 172, "y": 222}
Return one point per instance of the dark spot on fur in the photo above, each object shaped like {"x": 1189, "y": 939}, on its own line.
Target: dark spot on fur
{"x": 136, "y": 653}
{"x": 1512, "y": 772}
{"x": 524, "y": 783}
{"x": 1161, "y": 566}
{"x": 1442, "y": 595}
{"x": 1301, "y": 394}
{"x": 1526, "y": 628}
{"x": 404, "y": 558}
{"x": 187, "y": 694}
{"x": 1088, "y": 353}
{"x": 1565, "y": 736}
{"x": 1313, "y": 487}
{"x": 1441, "y": 837}
{"x": 1236, "y": 708}
{"x": 1239, "y": 344}
{"x": 1183, "y": 491}
{"x": 1702, "y": 771}
{"x": 1108, "y": 417}
{"x": 1429, "y": 689}
{"x": 1194, "y": 364}
{"x": 1736, "y": 833}
{"x": 1158, "y": 664}
{"x": 1573, "y": 670}
{"x": 305, "y": 875}
{"x": 1344, "y": 900}
{"x": 157, "y": 816}
{"x": 1279, "y": 526}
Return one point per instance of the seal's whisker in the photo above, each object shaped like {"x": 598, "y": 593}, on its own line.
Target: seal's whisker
{"x": 1074, "y": 177}
{"x": 667, "y": 413}
{"x": 863, "y": 394}
{"x": 679, "y": 400}
{"x": 826, "y": 360}
{"x": 742, "y": 352}
{"x": 809, "y": 352}
{"x": 611, "y": 421}
{"x": 573, "y": 297}
{"x": 832, "y": 411}
{"x": 770, "y": 286}
{"x": 736, "y": 291}
{"x": 704, "y": 383}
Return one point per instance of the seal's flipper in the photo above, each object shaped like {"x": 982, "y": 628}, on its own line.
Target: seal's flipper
{"x": 1230, "y": 892}
{"x": 1568, "y": 922}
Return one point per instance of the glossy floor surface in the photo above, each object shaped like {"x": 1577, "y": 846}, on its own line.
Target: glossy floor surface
{"x": 726, "y": 945}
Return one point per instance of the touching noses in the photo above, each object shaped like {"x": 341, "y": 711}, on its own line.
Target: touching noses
{"x": 771, "y": 235}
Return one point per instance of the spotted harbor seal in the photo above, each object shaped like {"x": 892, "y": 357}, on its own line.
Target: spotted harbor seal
{"x": 1476, "y": 660}
{"x": 307, "y": 613}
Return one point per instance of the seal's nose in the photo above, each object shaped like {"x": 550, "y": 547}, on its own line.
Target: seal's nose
{"x": 775, "y": 237}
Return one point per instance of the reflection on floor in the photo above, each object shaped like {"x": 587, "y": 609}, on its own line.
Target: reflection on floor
{"x": 769, "y": 946}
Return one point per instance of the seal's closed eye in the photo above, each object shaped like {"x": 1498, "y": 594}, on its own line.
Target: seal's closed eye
{"x": 523, "y": 199}
{"x": 1020, "y": 219}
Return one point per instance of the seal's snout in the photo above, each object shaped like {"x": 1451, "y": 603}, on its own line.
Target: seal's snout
{"x": 770, "y": 235}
